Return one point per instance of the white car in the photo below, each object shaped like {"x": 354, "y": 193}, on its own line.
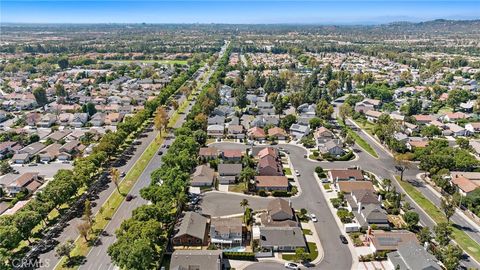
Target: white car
{"x": 292, "y": 266}
{"x": 313, "y": 217}
{"x": 297, "y": 173}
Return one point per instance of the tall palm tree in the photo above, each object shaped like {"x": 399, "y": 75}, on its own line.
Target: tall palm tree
{"x": 115, "y": 177}
{"x": 244, "y": 204}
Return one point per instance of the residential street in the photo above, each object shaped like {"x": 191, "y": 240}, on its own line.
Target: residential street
{"x": 313, "y": 200}
{"x": 98, "y": 258}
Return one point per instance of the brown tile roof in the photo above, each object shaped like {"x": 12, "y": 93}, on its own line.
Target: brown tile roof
{"x": 276, "y": 131}
{"x": 256, "y": 132}
{"x": 465, "y": 184}
{"x": 346, "y": 174}
{"x": 267, "y": 151}
{"x": 232, "y": 153}
{"x": 349, "y": 186}
{"x": 419, "y": 144}
{"x": 271, "y": 181}
{"x": 208, "y": 151}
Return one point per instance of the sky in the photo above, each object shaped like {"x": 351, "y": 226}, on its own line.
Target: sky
{"x": 235, "y": 11}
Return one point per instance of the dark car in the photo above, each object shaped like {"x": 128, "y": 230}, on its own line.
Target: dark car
{"x": 129, "y": 198}
{"x": 343, "y": 239}
{"x": 160, "y": 153}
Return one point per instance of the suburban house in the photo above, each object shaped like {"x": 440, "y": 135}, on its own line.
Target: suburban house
{"x": 332, "y": 147}
{"x": 226, "y": 232}
{"x": 23, "y": 158}
{"x": 282, "y": 239}
{"x": 380, "y": 240}
{"x": 271, "y": 183}
{"x": 348, "y": 186}
{"x": 279, "y": 214}
{"x": 269, "y": 165}
{"x": 32, "y": 149}
{"x": 454, "y": 130}
{"x": 50, "y": 152}
{"x": 423, "y": 118}
{"x": 372, "y": 116}
{"x": 466, "y": 182}
{"x": 7, "y": 148}
{"x": 256, "y": 133}
{"x": 192, "y": 230}
{"x": 367, "y": 104}
{"x": 232, "y": 155}
{"x": 454, "y": 116}
{"x": 228, "y": 173}
{"x": 473, "y": 127}
{"x": 208, "y": 153}
{"x": 216, "y": 120}
{"x": 215, "y": 131}
{"x": 79, "y": 120}
{"x": 203, "y": 176}
{"x": 28, "y": 181}
{"x": 345, "y": 175}
{"x": 366, "y": 207}
{"x": 277, "y": 133}
{"x": 323, "y": 135}
{"x": 299, "y": 130}
{"x": 235, "y": 131}
{"x": 412, "y": 255}
{"x": 197, "y": 260}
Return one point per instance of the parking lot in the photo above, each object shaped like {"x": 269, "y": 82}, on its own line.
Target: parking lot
{"x": 47, "y": 170}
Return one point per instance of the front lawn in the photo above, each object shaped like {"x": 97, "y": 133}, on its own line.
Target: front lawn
{"x": 287, "y": 171}
{"x": 312, "y": 253}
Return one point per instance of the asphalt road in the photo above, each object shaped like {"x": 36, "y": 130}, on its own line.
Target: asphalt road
{"x": 313, "y": 200}
{"x": 98, "y": 258}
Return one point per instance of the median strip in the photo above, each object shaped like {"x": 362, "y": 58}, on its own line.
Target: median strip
{"x": 108, "y": 209}
{"x": 471, "y": 247}
{"x": 359, "y": 140}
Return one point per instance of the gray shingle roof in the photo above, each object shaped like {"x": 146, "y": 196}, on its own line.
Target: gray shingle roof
{"x": 281, "y": 236}
{"x": 193, "y": 224}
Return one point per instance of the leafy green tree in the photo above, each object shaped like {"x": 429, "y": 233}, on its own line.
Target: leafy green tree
{"x": 63, "y": 63}
{"x": 40, "y": 96}
{"x": 65, "y": 249}
{"x": 241, "y": 97}
{"x": 25, "y": 221}
{"x": 288, "y": 121}
{"x": 10, "y": 236}
{"x": 89, "y": 108}
{"x": 457, "y": 96}
{"x": 315, "y": 123}
{"x": 5, "y": 167}
{"x": 324, "y": 109}
{"x": 443, "y": 232}
{"x": 430, "y": 131}
{"x": 450, "y": 256}
{"x": 424, "y": 235}
{"x": 300, "y": 255}
{"x": 411, "y": 218}
{"x": 448, "y": 208}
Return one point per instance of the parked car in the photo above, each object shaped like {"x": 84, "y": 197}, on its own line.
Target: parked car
{"x": 343, "y": 239}
{"x": 297, "y": 173}
{"x": 128, "y": 198}
{"x": 290, "y": 265}
{"x": 313, "y": 217}
{"x": 123, "y": 174}
{"x": 160, "y": 153}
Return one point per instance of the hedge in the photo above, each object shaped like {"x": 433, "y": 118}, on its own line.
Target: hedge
{"x": 243, "y": 256}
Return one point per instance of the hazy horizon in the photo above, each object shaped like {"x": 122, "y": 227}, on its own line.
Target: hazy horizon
{"x": 235, "y": 12}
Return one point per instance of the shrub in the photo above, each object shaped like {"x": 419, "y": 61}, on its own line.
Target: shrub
{"x": 336, "y": 202}
{"x": 281, "y": 193}
{"x": 243, "y": 256}
{"x": 319, "y": 170}
{"x": 262, "y": 193}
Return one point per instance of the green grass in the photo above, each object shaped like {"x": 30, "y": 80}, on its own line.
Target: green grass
{"x": 287, "y": 171}
{"x": 307, "y": 232}
{"x": 168, "y": 62}
{"x": 312, "y": 254}
{"x": 359, "y": 140}
{"x": 238, "y": 187}
{"x": 326, "y": 186}
{"x": 463, "y": 240}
